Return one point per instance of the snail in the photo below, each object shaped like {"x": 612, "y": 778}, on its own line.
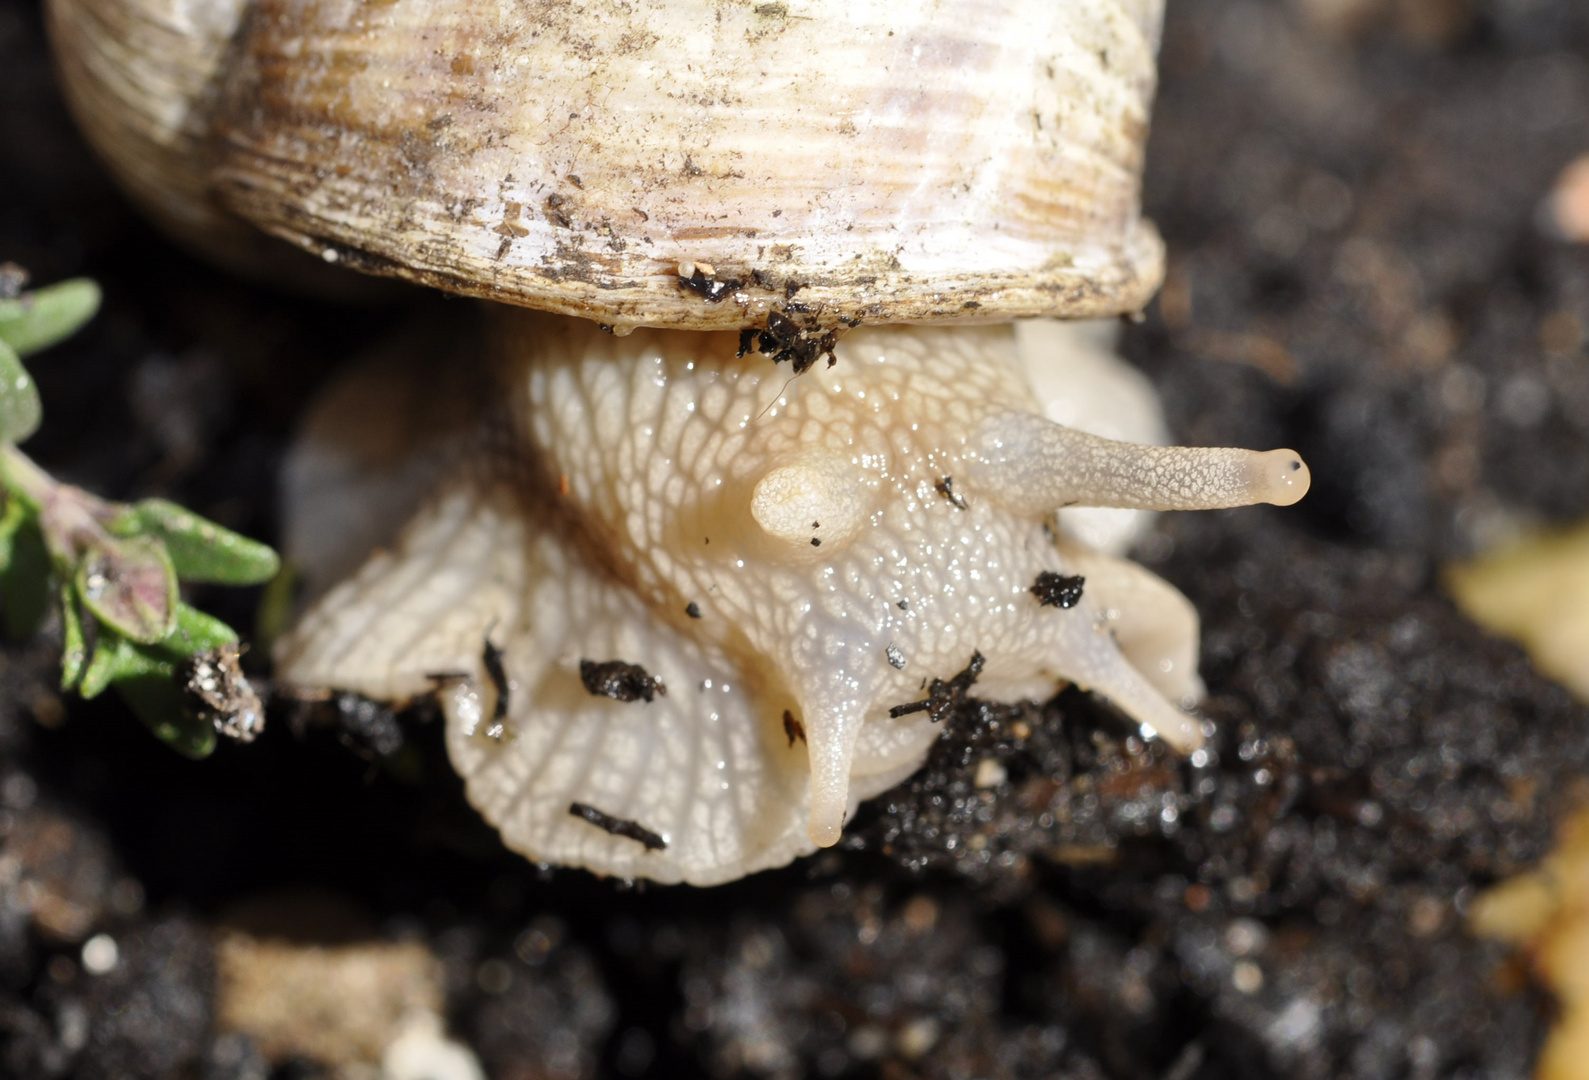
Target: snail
{"x": 710, "y": 542}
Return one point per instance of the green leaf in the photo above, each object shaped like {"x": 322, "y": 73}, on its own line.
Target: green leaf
{"x": 200, "y": 549}
{"x": 39, "y": 319}
{"x": 25, "y": 580}
{"x": 158, "y": 702}
{"x": 74, "y": 653}
{"x": 195, "y": 631}
{"x": 12, "y": 518}
{"x": 276, "y": 602}
{"x": 115, "y": 660}
{"x": 131, "y": 586}
{"x": 20, "y": 410}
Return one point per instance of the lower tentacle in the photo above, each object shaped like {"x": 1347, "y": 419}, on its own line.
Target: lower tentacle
{"x": 1106, "y": 671}
{"x": 830, "y": 742}
{"x": 1156, "y": 628}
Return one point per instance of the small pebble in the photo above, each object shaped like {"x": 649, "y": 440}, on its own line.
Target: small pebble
{"x": 990, "y": 773}
{"x": 1247, "y": 977}
{"x": 100, "y": 954}
{"x": 917, "y": 1038}
{"x": 1568, "y": 204}
{"x": 423, "y": 1052}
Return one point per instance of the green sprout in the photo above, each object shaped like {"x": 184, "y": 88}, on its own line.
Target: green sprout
{"x": 116, "y": 569}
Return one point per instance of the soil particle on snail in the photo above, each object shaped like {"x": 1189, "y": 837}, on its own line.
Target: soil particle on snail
{"x": 793, "y": 729}
{"x": 619, "y": 826}
{"x": 944, "y": 695}
{"x": 619, "y": 681}
{"x": 702, "y": 280}
{"x": 946, "y": 488}
{"x": 1058, "y": 590}
{"x": 491, "y": 660}
{"x": 786, "y": 339}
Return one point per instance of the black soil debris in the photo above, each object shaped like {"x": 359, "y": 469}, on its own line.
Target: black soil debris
{"x": 870, "y": 980}
{"x": 946, "y": 487}
{"x": 619, "y": 681}
{"x": 943, "y": 696}
{"x": 217, "y": 690}
{"x": 368, "y": 727}
{"x": 618, "y": 826}
{"x": 793, "y": 728}
{"x": 531, "y": 999}
{"x": 153, "y": 1012}
{"x": 1058, "y": 590}
{"x": 702, "y": 280}
{"x": 802, "y": 343}
{"x": 491, "y": 660}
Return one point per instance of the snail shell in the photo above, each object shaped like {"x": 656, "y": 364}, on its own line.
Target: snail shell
{"x": 142, "y": 79}
{"x": 884, "y": 162}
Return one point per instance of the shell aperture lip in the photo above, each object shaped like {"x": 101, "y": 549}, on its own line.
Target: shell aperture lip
{"x": 690, "y": 478}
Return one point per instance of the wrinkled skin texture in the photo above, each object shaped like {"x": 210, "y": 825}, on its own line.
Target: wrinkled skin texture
{"x": 802, "y": 519}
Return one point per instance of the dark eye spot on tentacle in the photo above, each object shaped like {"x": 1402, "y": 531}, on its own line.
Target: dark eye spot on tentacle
{"x": 1058, "y": 590}
{"x": 633, "y": 830}
{"x": 793, "y": 728}
{"x": 619, "y": 681}
{"x": 693, "y": 610}
{"x": 946, "y": 488}
{"x": 944, "y": 697}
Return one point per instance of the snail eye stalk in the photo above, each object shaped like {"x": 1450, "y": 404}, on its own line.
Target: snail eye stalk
{"x": 1033, "y": 465}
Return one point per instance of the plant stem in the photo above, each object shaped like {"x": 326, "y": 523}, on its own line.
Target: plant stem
{"x": 24, "y": 479}
{"x": 72, "y": 519}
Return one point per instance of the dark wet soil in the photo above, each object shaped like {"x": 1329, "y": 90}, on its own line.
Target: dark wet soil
{"x": 1350, "y": 191}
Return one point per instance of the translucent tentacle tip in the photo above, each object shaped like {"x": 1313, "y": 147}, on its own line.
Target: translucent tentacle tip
{"x": 1278, "y": 477}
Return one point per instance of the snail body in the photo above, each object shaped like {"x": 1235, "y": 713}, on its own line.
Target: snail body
{"x": 819, "y": 548}
{"x": 684, "y": 604}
